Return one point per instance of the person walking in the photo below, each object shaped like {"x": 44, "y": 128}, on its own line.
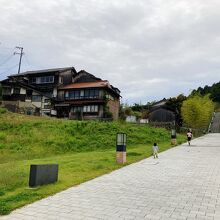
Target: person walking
{"x": 155, "y": 150}
{"x": 189, "y": 136}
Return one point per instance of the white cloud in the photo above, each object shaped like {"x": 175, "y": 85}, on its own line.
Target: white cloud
{"x": 149, "y": 49}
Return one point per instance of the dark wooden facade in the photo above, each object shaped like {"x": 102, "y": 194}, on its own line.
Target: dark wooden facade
{"x": 160, "y": 112}
{"x": 161, "y": 115}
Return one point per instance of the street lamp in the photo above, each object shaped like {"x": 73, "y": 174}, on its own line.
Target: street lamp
{"x": 121, "y": 139}
{"x": 173, "y": 137}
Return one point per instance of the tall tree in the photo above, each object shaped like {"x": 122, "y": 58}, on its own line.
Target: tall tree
{"x": 197, "y": 111}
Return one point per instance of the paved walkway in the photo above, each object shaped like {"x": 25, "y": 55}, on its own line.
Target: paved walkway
{"x": 184, "y": 183}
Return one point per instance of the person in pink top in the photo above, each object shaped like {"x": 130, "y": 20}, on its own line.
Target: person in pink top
{"x": 189, "y": 136}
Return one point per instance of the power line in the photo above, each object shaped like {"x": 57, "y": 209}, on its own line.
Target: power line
{"x": 10, "y": 68}
{"x": 5, "y": 48}
{"x": 27, "y": 61}
{"x": 31, "y": 65}
{"x": 6, "y": 60}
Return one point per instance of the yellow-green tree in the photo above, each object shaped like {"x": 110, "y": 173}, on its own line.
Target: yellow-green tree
{"x": 197, "y": 110}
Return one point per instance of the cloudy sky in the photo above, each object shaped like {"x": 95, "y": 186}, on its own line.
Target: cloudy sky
{"x": 149, "y": 49}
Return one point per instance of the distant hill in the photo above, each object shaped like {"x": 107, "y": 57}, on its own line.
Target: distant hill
{"x": 213, "y": 90}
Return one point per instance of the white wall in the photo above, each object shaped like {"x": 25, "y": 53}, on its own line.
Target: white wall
{"x": 37, "y": 104}
{"x": 23, "y": 91}
{"x": 55, "y": 92}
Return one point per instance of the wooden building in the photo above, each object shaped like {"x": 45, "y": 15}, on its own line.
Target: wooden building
{"x": 160, "y": 112}
{"x": 61, "y": 92}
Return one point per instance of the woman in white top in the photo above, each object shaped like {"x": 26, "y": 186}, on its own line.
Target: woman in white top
{"x": 189, "y": 136}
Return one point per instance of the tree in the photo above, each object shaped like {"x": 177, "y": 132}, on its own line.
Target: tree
{"x": 137, "y": 107}
{"x": 213, "y": 90}
{"x": 175, "y": 104}
{"x": 196, "y": 111}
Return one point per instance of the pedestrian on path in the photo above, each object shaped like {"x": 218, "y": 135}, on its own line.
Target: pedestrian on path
{"x": 189, "y": 136}
{"x": 155, "y": 150}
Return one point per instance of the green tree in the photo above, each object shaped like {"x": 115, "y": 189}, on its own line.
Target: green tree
{"x": 213, "y": 90}
{"x": 175, "y": 104}
{"x": 196, "y": 111}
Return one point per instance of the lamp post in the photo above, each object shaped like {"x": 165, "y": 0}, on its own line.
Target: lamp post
{"x": 121, "y": 139}
{"x": 173, "y": 137}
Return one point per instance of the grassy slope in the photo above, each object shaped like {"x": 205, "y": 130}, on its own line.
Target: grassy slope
{"x": 83, "y": 150}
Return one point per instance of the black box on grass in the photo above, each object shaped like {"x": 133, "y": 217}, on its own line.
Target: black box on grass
{"x": 43, "y": 174}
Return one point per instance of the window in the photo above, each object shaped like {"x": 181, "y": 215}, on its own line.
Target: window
{"x": 16, "y": 91}
{"x": 33, "y": 80}
{"x": 47, "y": 106}
{"x": 94, "y": 108}
{"x": 48, "y": 93}
{"x": 46, "y": 100}
{"x": 82, "y": 94}
{"x": 45, "y": 79}
{"x": 6, "y": 91}
{"x": 36, "y": 98}
{"x": 67, "y": 94}
{"x": 76, "y": 109}
{"x": 90, "y": 108}
{"x": 91, "y": 93}
{"x": 77, "y": 94}
{"x": 74, "y": 94}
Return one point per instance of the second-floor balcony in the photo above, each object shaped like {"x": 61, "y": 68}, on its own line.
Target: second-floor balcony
{"x": 83, "y": 97}
{"x": 83, "y": 94}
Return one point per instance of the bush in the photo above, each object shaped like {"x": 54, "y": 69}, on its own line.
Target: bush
{"x": 3, "y": 110}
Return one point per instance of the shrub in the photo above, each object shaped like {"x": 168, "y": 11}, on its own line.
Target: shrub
{"x": 3, "y": 110}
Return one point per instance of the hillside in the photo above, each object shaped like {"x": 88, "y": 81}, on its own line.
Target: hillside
{"x": 31, "y": 137}
{"x": 83, "y": 150}
{"x": 213, "y": 90}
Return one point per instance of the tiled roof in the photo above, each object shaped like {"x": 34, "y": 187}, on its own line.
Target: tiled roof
{"x": 97, "y": 84}
{"x": 44, "y": 71}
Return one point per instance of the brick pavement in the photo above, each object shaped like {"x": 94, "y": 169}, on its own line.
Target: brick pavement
{"x": 184, "y": 183}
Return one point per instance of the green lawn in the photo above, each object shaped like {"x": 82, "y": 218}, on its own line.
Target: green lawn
{"x": 83, "y": 150}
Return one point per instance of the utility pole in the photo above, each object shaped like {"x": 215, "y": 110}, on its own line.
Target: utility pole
{"x": 21, "y": 53}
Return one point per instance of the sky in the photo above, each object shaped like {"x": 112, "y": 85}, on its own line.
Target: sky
{"x": 149, "y": 49}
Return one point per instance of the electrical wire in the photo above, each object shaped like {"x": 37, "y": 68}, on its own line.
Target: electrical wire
{"x": 30, "y": 64}
{"x": 26, "y": 61}
{"x": 10, "y": 68}
{"x": 6, "y": 60}
{"x": 6, "y": 48}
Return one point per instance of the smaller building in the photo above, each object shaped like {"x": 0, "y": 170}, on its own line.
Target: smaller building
{"x": 131, "y": 119}
{"x": 160, "y": 112}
